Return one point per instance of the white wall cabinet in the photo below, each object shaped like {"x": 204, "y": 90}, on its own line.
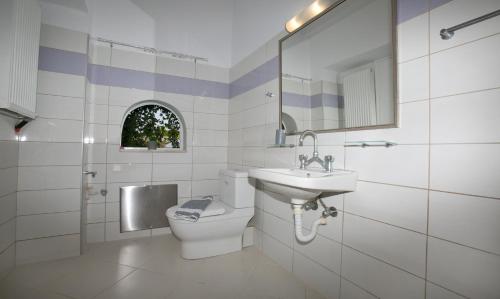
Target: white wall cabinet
{"x": 20, "y": 22}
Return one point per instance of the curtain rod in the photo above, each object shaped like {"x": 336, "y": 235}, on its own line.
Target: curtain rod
{"x": 151, "y": 50}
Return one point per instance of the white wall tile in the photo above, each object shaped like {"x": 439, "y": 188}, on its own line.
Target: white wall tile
{"x": 210, "y": 121}
{"x": 52, "y": 106}
{"x": 114, "y": 189}
{"x": 278, "y": 228}
{"x": 466, "y": 118}
{"x": 404, "y": 165}
{"x": 351, "y": 291}
{"x": 46, "y": 225}
{"x": 95, "y": 232}
{"x": 96, "y": 113}
{"x": 96, "y": 213}
{"x": 473, "y": 221}
{"x": 413, "y": 127}
{"x": 112, "y": 211}
{"x": 173, "y": 157}
{"x": 95, "y": 153}
{"x": 413, "y": 38}
{"x": 277, "y": 251}
{"x": 207, "y": 171}
{"x": 97, "y": 94}
{"x": 122, "y": 96}
{"x": 7, "y": 234}
{"x": 133, "y": 60}
{"x": 48, "y": 201}
{"x": 61, "y": 84}
{"x": 176, "y": 67}
{"x": 167, "y": 172}
{"x": 99, "y": 169}
{"x": 8, "y": 180}
{"x": 117, "y": 155}
{"x": 8, "y": 206}
{"x": 205, "y": 187}
{"x": 459, "y": 11}
{"x": 44, "y": 249}
{"x": 122, "y": 173}
{"x": 320, "y": 279}
{"x": 400, "y": 206}
{"x": 209, "y": 155}
{"x": 7, "y": 261}
{"x": 49, "y": 153}
{"x": 183, "y": 103}
{"x": 399, "y": 247}
{"x": 113, "y": 232}
{"x": 49, "y": 177}
{"x": 469, "y": 67}
{"x": 63, "y": 39}
{"x": 212, "y": 73}
{"x": 379, "y": 278}
{"x": 10, "y": 154}
{"x": 414, "y": 80}
{"x": 99, "y": 53}
{"x": 53, "y": 130}
{"x": 466, "y": 168}
{"x": 466, "y": 271}
{"x": 210, "y": 138}
{"x": 97, "y": 133}
{"x": 436, "y": 292}
{"x": 211, "y": 105}
{"x": 321, "y": 250}
{"x": 276, "y": 204}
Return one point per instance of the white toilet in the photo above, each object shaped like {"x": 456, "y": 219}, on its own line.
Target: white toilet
{"x": 221, "y": 234}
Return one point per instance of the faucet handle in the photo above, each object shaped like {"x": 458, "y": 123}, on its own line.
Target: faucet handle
{"x": 329, "y": 163}
{"x": 303, "y": 159}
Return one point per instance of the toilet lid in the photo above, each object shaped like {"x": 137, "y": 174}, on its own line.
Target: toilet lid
{"x": 213, "y": 209}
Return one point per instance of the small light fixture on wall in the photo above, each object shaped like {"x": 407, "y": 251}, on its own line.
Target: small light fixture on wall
{"x": 308, "y": 13}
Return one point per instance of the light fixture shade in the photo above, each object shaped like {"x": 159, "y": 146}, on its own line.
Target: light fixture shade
{"x": 308, "y": 13}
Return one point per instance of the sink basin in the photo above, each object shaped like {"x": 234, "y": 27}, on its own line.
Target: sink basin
{"x": 302, "y": 185}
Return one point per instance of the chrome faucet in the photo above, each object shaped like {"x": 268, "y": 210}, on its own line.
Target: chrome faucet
{"x": 304, "y": 160}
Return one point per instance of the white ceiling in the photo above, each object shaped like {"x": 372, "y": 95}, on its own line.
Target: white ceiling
{"x": 224, "y": 31}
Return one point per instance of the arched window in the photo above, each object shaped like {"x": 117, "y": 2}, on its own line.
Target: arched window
{"x": 153, "y": 125}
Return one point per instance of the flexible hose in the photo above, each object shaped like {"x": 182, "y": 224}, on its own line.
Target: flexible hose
{"x": 297, "y": 215}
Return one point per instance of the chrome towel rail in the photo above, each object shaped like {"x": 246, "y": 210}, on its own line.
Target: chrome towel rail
{"x": 447, "y": 33}
{"x": 370, "y": 144}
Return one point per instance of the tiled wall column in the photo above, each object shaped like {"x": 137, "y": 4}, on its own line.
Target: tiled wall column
{"x": 9, "y": 149}
{"x": 50, "y": 154}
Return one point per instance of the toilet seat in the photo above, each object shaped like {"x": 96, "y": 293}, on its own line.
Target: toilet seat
{"x": 230, "y": 213}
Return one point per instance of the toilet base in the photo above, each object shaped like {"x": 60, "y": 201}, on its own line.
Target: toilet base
{"x": 206, "y": 248}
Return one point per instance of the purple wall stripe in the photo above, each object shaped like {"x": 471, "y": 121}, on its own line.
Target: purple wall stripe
{"x": 408, "y": 9}
{"x": 317, "y": 100}
{"x": 296, "y": 100}
{"x": 327, "y": 100}
{"x": 61, "y": 61}
{"x": 258, "y": 76}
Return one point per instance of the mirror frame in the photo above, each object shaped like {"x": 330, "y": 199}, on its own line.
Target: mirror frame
{"x": 394, "y": 35}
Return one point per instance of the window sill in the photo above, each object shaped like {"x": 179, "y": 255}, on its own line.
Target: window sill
{"x": 145, "y": 150}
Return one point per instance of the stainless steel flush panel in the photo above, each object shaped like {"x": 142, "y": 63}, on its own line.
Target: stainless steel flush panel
{"x": 144, "y": 207}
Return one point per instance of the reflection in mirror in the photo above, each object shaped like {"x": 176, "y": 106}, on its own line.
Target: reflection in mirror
{"x": 337, "y": 71}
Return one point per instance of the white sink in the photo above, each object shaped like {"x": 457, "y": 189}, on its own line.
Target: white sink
{"x": 302, "y": 185}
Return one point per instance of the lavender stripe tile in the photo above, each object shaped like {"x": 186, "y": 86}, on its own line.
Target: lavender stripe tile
{"x": 437, "y": 3}
{"x": 112, "y": 76}
{"x": 296, "y": 100}
{"x": 258, "y": 76}
{"x": 408, "y": 9}
{"x": 61, "y": 61}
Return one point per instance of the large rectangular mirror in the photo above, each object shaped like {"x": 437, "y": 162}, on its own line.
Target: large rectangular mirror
{"x": 338, "y": 72}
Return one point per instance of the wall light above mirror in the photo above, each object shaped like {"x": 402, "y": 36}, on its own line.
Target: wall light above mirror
{"x": 338, "y": 71}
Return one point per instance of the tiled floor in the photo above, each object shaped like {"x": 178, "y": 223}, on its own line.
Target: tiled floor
{"x": 152, "y": 268}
